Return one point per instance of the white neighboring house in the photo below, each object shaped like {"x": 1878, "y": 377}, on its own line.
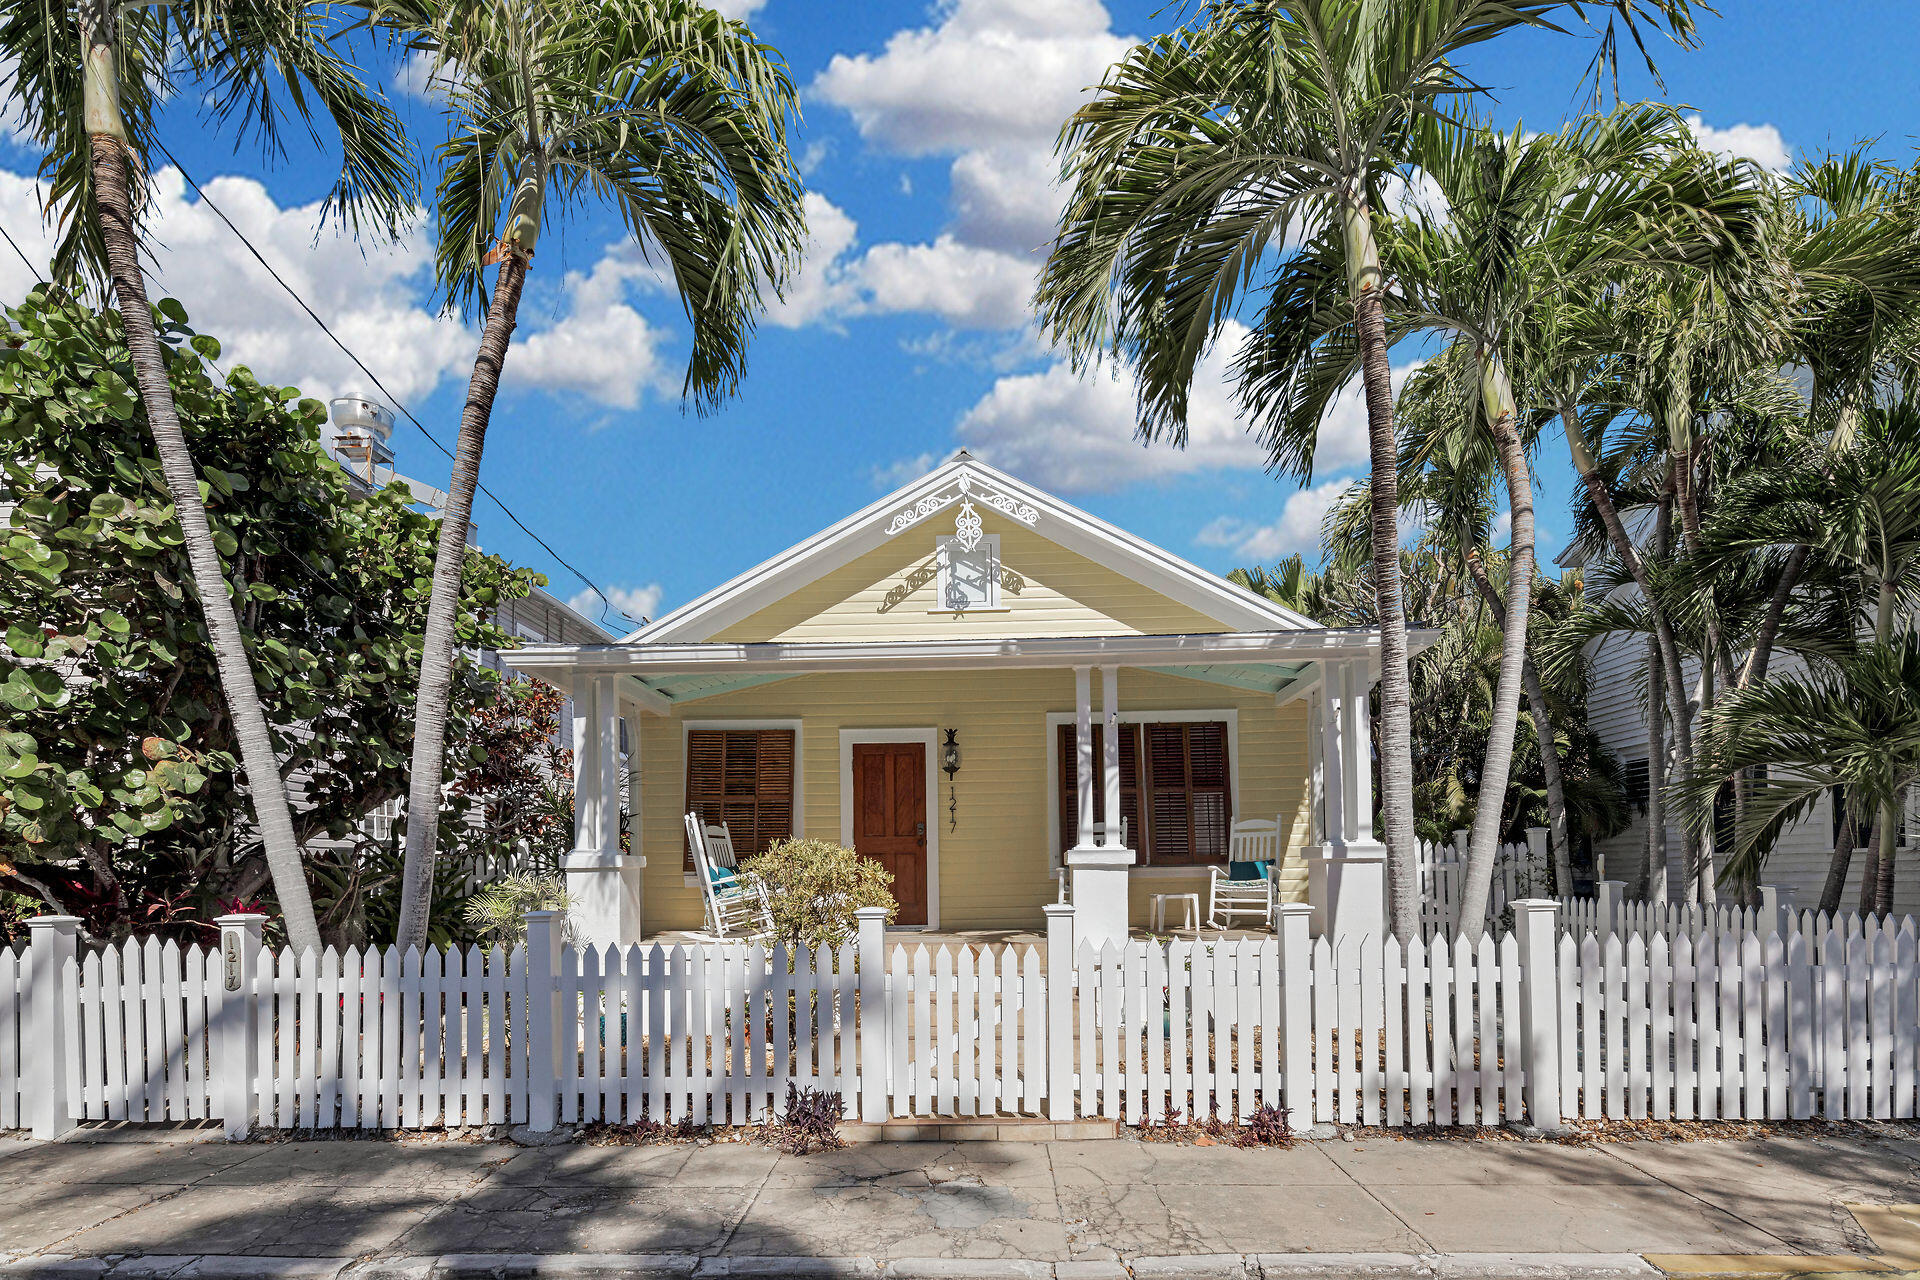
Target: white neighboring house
{"x": 358, "y": 436}
{"x": 1617, "y": 713}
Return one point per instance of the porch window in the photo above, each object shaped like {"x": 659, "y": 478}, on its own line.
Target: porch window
{"x": 744, "y": 778}
{"x": 969, "y": 578}
{"x": 1184, "y": 772}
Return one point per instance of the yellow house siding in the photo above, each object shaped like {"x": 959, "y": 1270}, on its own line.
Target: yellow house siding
{"x": 891, "y": 593}
{"x": 993, "y": 867}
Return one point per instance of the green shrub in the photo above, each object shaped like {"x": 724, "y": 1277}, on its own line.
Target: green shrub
{"x": 498, "y": 913}
{"x": 815, "y": 886}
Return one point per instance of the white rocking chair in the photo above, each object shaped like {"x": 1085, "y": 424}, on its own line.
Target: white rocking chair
{"x": 737, "y": 907}
{"x": 1249, "y": 885}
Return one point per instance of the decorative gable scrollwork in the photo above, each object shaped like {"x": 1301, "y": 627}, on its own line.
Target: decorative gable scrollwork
{"x": 964, "y": 489}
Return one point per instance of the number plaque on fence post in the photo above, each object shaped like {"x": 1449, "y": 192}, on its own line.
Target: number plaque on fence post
{"x": 232, "y": 1087}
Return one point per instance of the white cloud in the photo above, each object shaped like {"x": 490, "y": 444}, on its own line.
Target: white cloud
{"x": 636, "y": 602}
{"x": 1760, "y": 143}
{"x": 966, "y": 286}
{"x": 740, "y": 9}
{"x": 1297, "y": 529}
{"x": 990, "y": 83}
{"x": 991, "y": 72}
{"x": 374, "y": 298}
{"x": 1006, "y": 197}
{"x": 822, "y": 289}
{"x": 1065, "y": 431}
{"x": 895, "y": 474}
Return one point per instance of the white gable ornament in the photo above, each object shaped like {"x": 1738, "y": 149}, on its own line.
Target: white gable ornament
{"x": 963, "y": 489}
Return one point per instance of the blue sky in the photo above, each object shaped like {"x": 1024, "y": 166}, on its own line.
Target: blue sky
{"x": 926, "y": 143}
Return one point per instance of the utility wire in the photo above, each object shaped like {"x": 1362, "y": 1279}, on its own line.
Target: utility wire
{"x": 35, "y": 271}
{"x": 606, "y": 600}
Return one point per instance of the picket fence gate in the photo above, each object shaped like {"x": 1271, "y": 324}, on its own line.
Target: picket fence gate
{"x": 1538, "y": 1022}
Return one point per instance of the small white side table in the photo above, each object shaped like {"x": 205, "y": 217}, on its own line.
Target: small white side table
{"x": 1190, "y": 905}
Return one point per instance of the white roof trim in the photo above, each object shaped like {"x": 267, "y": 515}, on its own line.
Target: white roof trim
{"x": 772, "y": 580}
{"x": 964, "y": 653}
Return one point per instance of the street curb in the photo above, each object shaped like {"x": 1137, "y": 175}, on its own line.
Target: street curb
{"x": 1308, "y": 1266}
{"x": 1540, "y": 1266}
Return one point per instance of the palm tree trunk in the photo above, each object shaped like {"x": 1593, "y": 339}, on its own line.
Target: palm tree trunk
{"x": 111, "y": 171}
{"x": 1763, "y": 639}
{"x": 443, "y": 609}
{"x": 1396, "y": 689}
{"x": 1497, "y": 765}
{"x": 1602, "y": 499}
{"x": 1883, "y": 874}
{"x": 1654, "y": 886}
{"x": 1559, "y": 830}
{"x": 1870, "y": 874}
{"x": 1838, "y": 865}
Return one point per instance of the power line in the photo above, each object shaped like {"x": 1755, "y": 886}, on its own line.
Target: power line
{"x": 606, "y": 601}
{"x": 22, "y": 252}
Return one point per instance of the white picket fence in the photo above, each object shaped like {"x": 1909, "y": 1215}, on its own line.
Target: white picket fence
{"x": 13, "y": 978}
{"x": 1539, "y": 1022}
{"x": 1519, "y": 871}
{"x": 1733, "y": 1027}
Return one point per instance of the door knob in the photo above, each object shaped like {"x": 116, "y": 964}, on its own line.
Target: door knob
{"x": 920, "y": 828}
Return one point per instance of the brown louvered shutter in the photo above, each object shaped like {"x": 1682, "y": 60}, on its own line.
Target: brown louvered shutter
{"x": 1191, "y": 803}
{"x": 744, "y": 778}
{"x": 1069, "y": 791}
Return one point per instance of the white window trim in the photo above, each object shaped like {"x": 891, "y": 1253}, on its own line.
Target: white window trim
{"x": 943, "y": 552}
{"x": 931, "y": 739}
{"x": 1055, "y": 719}
{"x": 799, "y": 769}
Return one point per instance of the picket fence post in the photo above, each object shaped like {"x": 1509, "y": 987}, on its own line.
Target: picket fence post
{"x": 1776, "y": 909}
{"x": 1533, "y": 920}
{"x": 543, "y": 1021}
{"x": 1296, "y": 1012}
{"x": 233, "y": 1043}
{"x": 44, "y": 1080}
{"x": 1609, "y": 895}
{"x": 1060, "y": 1010}
{"x": 875, "y": 1026}
{"x": 1538, "y": 860}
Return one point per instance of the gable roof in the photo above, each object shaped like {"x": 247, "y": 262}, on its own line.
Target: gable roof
{"x": 961, "y": 475}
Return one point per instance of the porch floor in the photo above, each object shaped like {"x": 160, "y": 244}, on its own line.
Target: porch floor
{"x": 911, "y": 937}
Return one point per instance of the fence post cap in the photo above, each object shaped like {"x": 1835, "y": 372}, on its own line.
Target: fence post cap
{"x": 544, "y": 914}
{"x": 1055, "y": 910}
{"x": 59, "y": 924}
{"x": 1535, "y": 904}
{"x": 1294, "y": 908}
{"x": 870, "y": 913}
{"x": 240, "y": 919}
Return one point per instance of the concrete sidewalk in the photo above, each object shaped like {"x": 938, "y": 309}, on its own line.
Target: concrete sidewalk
{"x": 1072, "y": 1210}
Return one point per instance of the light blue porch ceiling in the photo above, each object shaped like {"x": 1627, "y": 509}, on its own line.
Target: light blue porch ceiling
{"x": 691, "y": 688}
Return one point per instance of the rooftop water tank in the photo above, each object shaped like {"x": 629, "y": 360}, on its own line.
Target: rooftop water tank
{"x": 362, "y": 429}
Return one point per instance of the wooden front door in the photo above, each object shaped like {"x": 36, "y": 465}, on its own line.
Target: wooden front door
{"x": 890, "y": 818}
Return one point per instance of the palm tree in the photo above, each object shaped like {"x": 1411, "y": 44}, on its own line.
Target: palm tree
{"x": 1850, "y": 727}
{"x": 1204, "y": 153}
{"x": 675, "y": 116}
{"x": 1527, "y": 221}
{"x": 1857, "y": 513}
{"x": 87, "y": 83}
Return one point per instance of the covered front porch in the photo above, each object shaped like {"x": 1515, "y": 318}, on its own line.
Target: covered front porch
{"x": 1051, "y": 734}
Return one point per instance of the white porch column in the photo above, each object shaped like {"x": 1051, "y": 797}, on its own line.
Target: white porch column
{"x": 1110, "y": 752}
{"x": 1099, "y": 871}
{"x": 1347, "y": 871}
{"x": 603, "y": 883}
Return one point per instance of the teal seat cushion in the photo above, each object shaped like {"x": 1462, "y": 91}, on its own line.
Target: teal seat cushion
{"x": 1249, "y": 871}
{"x": 721, "y": 877}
